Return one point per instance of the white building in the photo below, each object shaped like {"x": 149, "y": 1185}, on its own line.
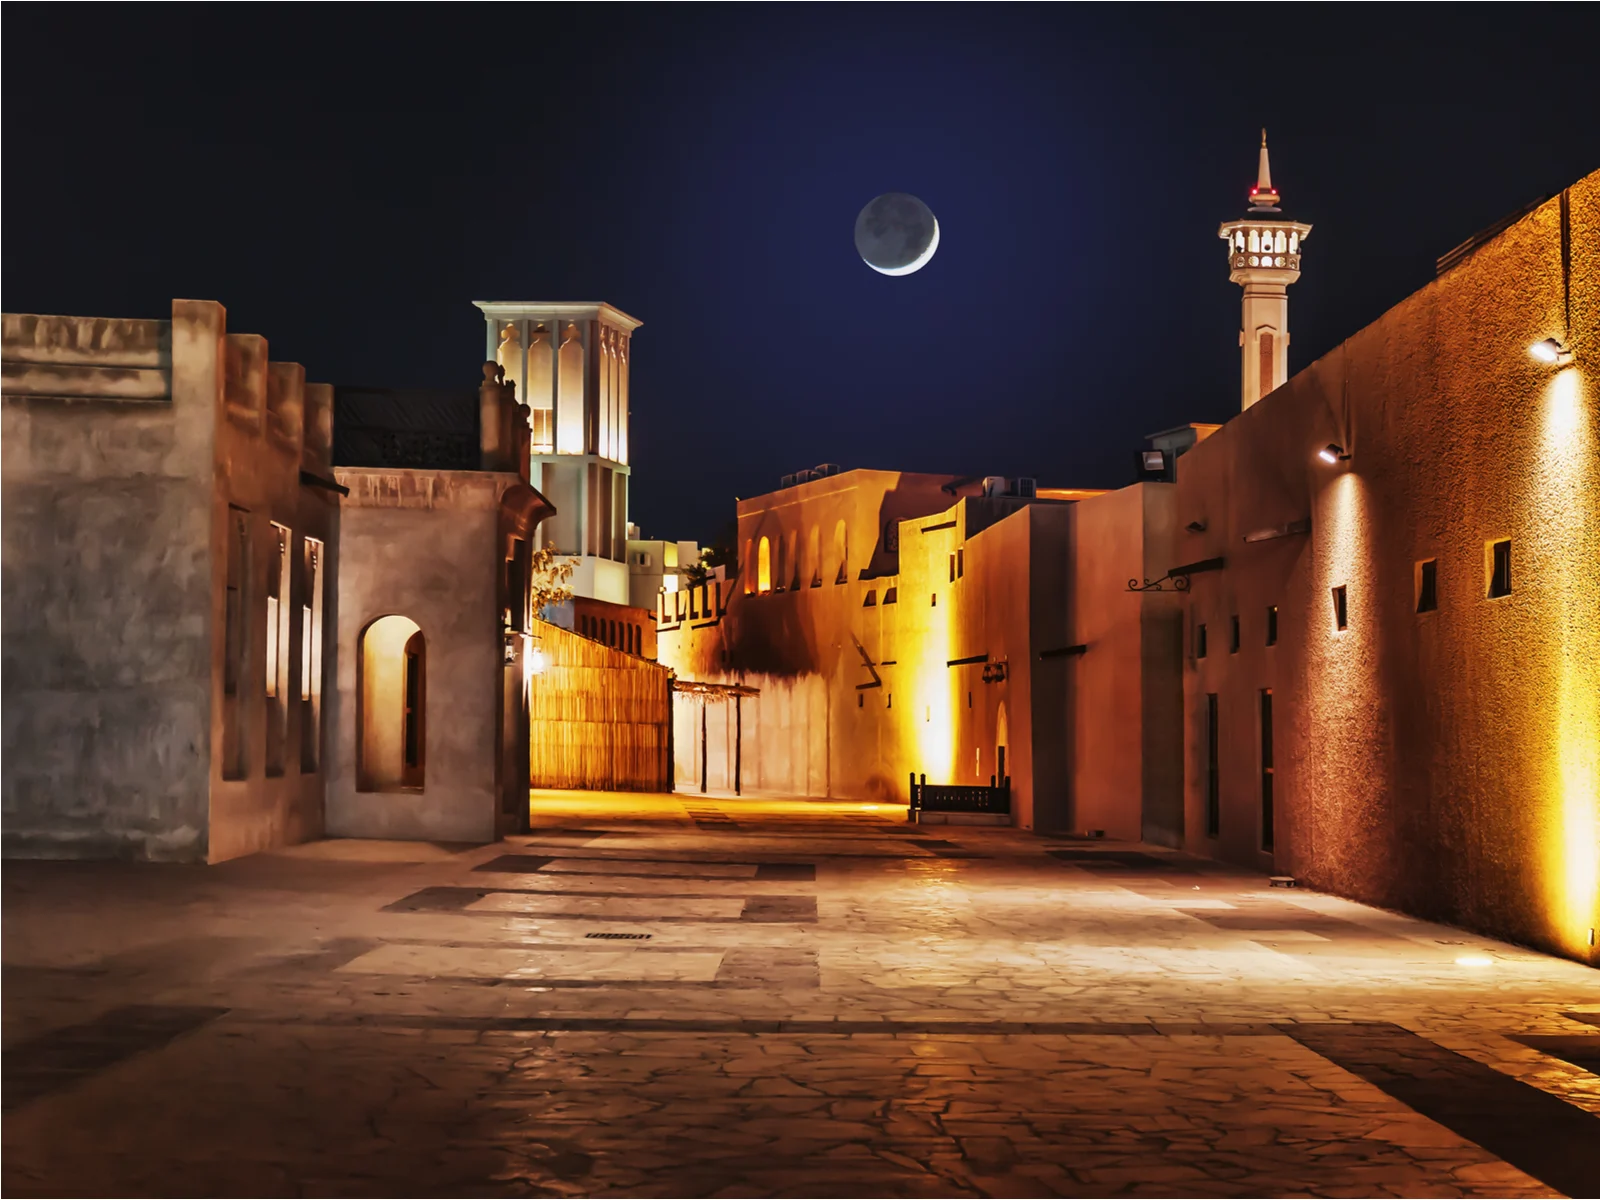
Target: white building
{"x": 569, "y": 362}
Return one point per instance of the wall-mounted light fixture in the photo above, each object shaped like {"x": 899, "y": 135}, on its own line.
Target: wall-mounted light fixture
{"x": 533, "y": 661}
{"x": 1550, "y": 351}
{"x": 1333, "y": 453}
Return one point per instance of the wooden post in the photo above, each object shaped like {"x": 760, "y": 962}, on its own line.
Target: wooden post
{"x": 672, "y": 749}
{"x": 738, "y": 740}
{"x": 704, "y": 704}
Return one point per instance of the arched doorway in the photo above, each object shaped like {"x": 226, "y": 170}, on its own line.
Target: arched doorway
{"x": 391, "y": 719}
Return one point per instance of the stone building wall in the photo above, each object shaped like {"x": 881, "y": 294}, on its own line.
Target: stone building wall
{"x": 1445, "y": 762}
{"x": 431, "y": 546}
{"x": 125, "y": 442}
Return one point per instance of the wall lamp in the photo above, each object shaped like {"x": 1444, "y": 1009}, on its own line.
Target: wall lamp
{"x": 533, "y": 660}
{"x": 1550, "y": 351}
{"x": 1333, "y": 453}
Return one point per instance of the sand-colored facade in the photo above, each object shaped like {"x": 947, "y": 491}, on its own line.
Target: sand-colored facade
{"x": 1440, "y": 753}
{"x": 894, "y": 625}
{"x": 171, "y": 541}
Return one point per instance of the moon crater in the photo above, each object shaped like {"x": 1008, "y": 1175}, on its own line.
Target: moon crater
{"x": 896, "y": 234}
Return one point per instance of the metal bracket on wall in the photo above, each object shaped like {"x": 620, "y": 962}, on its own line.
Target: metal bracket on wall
{"x": 1303, "y": 525}
{"x": 877, "y": 680}
{"x": 1065, "y": 651}
{"x": 1179, "y": 584}
{"x": 1177, "y": 576}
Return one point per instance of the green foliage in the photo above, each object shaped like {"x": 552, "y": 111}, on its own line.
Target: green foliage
{"x": 549, "y": 575}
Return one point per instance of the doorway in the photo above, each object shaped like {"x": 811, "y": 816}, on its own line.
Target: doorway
{"x": 391, "y": 718}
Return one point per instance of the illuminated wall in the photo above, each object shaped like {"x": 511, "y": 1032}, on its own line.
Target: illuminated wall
{"x": 1441, "y": 761}
{"x": 928, "y": 633}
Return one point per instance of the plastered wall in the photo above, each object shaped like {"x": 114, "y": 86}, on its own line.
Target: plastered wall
{"x": 1446, "y": 763}
{"x": 425, "y": 545}
{"x": 124, "y": 443}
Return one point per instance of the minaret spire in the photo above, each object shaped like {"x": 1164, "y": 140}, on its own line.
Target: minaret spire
{"x": 1264, "y": 197}
{"x": 1263, "y": 258}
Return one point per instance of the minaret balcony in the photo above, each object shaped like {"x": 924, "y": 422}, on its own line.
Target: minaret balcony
{"x": 1242, "y": 261}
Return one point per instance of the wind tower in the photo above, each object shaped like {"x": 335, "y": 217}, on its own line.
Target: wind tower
{"x": 1263, "y": 258}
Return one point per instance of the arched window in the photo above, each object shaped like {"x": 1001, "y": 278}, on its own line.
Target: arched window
{"x": 1281, "y": 243}
{"x": 841, "y": 552}
{"x": 1255, "y": 240}
{"x": 1294, "y": 243}
{"x": 792, "y": 561}
{"x": 814, "y": 555}
{"x": 764, "y": 566}
{"x": 391, "y": 714}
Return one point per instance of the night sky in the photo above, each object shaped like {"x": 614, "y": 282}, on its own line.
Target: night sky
{"x": 347, "y": 180}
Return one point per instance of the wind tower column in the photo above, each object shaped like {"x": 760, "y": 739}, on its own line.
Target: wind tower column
{"x": 1264, "y": 258}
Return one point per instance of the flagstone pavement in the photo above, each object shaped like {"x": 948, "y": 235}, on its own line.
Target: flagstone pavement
{"x": 708, "y": 996}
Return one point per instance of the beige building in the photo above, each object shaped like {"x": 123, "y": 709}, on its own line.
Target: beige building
{"x": 1391, "y": 684}
{"x": 656, "y": 566}
{"x": 889, "y": 625}
{"x": 435, "y": 655}
{"x": 171, "y": 545}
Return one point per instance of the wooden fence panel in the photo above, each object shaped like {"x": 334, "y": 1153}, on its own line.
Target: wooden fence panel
{"x": 600, "y": 718}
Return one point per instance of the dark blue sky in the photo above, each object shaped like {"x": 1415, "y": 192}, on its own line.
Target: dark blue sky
{"x": 348, "y": 180}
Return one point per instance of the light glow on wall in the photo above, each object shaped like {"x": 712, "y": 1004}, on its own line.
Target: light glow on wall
{"x": 1567, "y": 496}
{"x": 1343, "y": 702}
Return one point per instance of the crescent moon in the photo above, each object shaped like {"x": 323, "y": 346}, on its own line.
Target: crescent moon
{"x": 920, "y": 261}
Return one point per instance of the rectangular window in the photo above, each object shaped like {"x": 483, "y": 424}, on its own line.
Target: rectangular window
{"x": 1213, "y": 776}
{"x": 311, "y": 655}
{"x": 1500, "y": 568}
{"x": 276, "y": 675}
{"x": 1199, "y": 641}
{"x": 278, "y": 606}
{"x": 272, "y": 647}
{"x": 1272, "y": 624}
{"x": 307, "y": 656}
{"x": 961, "y": 562}
{"x": 238, "y": 565}
{"x": 1341, "y": 613}
{"x": 1233, "y": 644}
{"x": 235, "y": 643}
{"x": 952, "y": 566}
{"x": 1266, "y": 768}
{"x": 1427, "y": 585}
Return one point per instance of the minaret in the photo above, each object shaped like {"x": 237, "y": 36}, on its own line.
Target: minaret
{"x": 1263, "y": 258}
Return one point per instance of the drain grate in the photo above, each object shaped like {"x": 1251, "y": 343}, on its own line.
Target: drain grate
{"x": 620, "y": 937}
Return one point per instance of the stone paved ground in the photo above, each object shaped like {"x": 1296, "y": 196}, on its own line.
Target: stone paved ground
{"x": 828, "y": 1002}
